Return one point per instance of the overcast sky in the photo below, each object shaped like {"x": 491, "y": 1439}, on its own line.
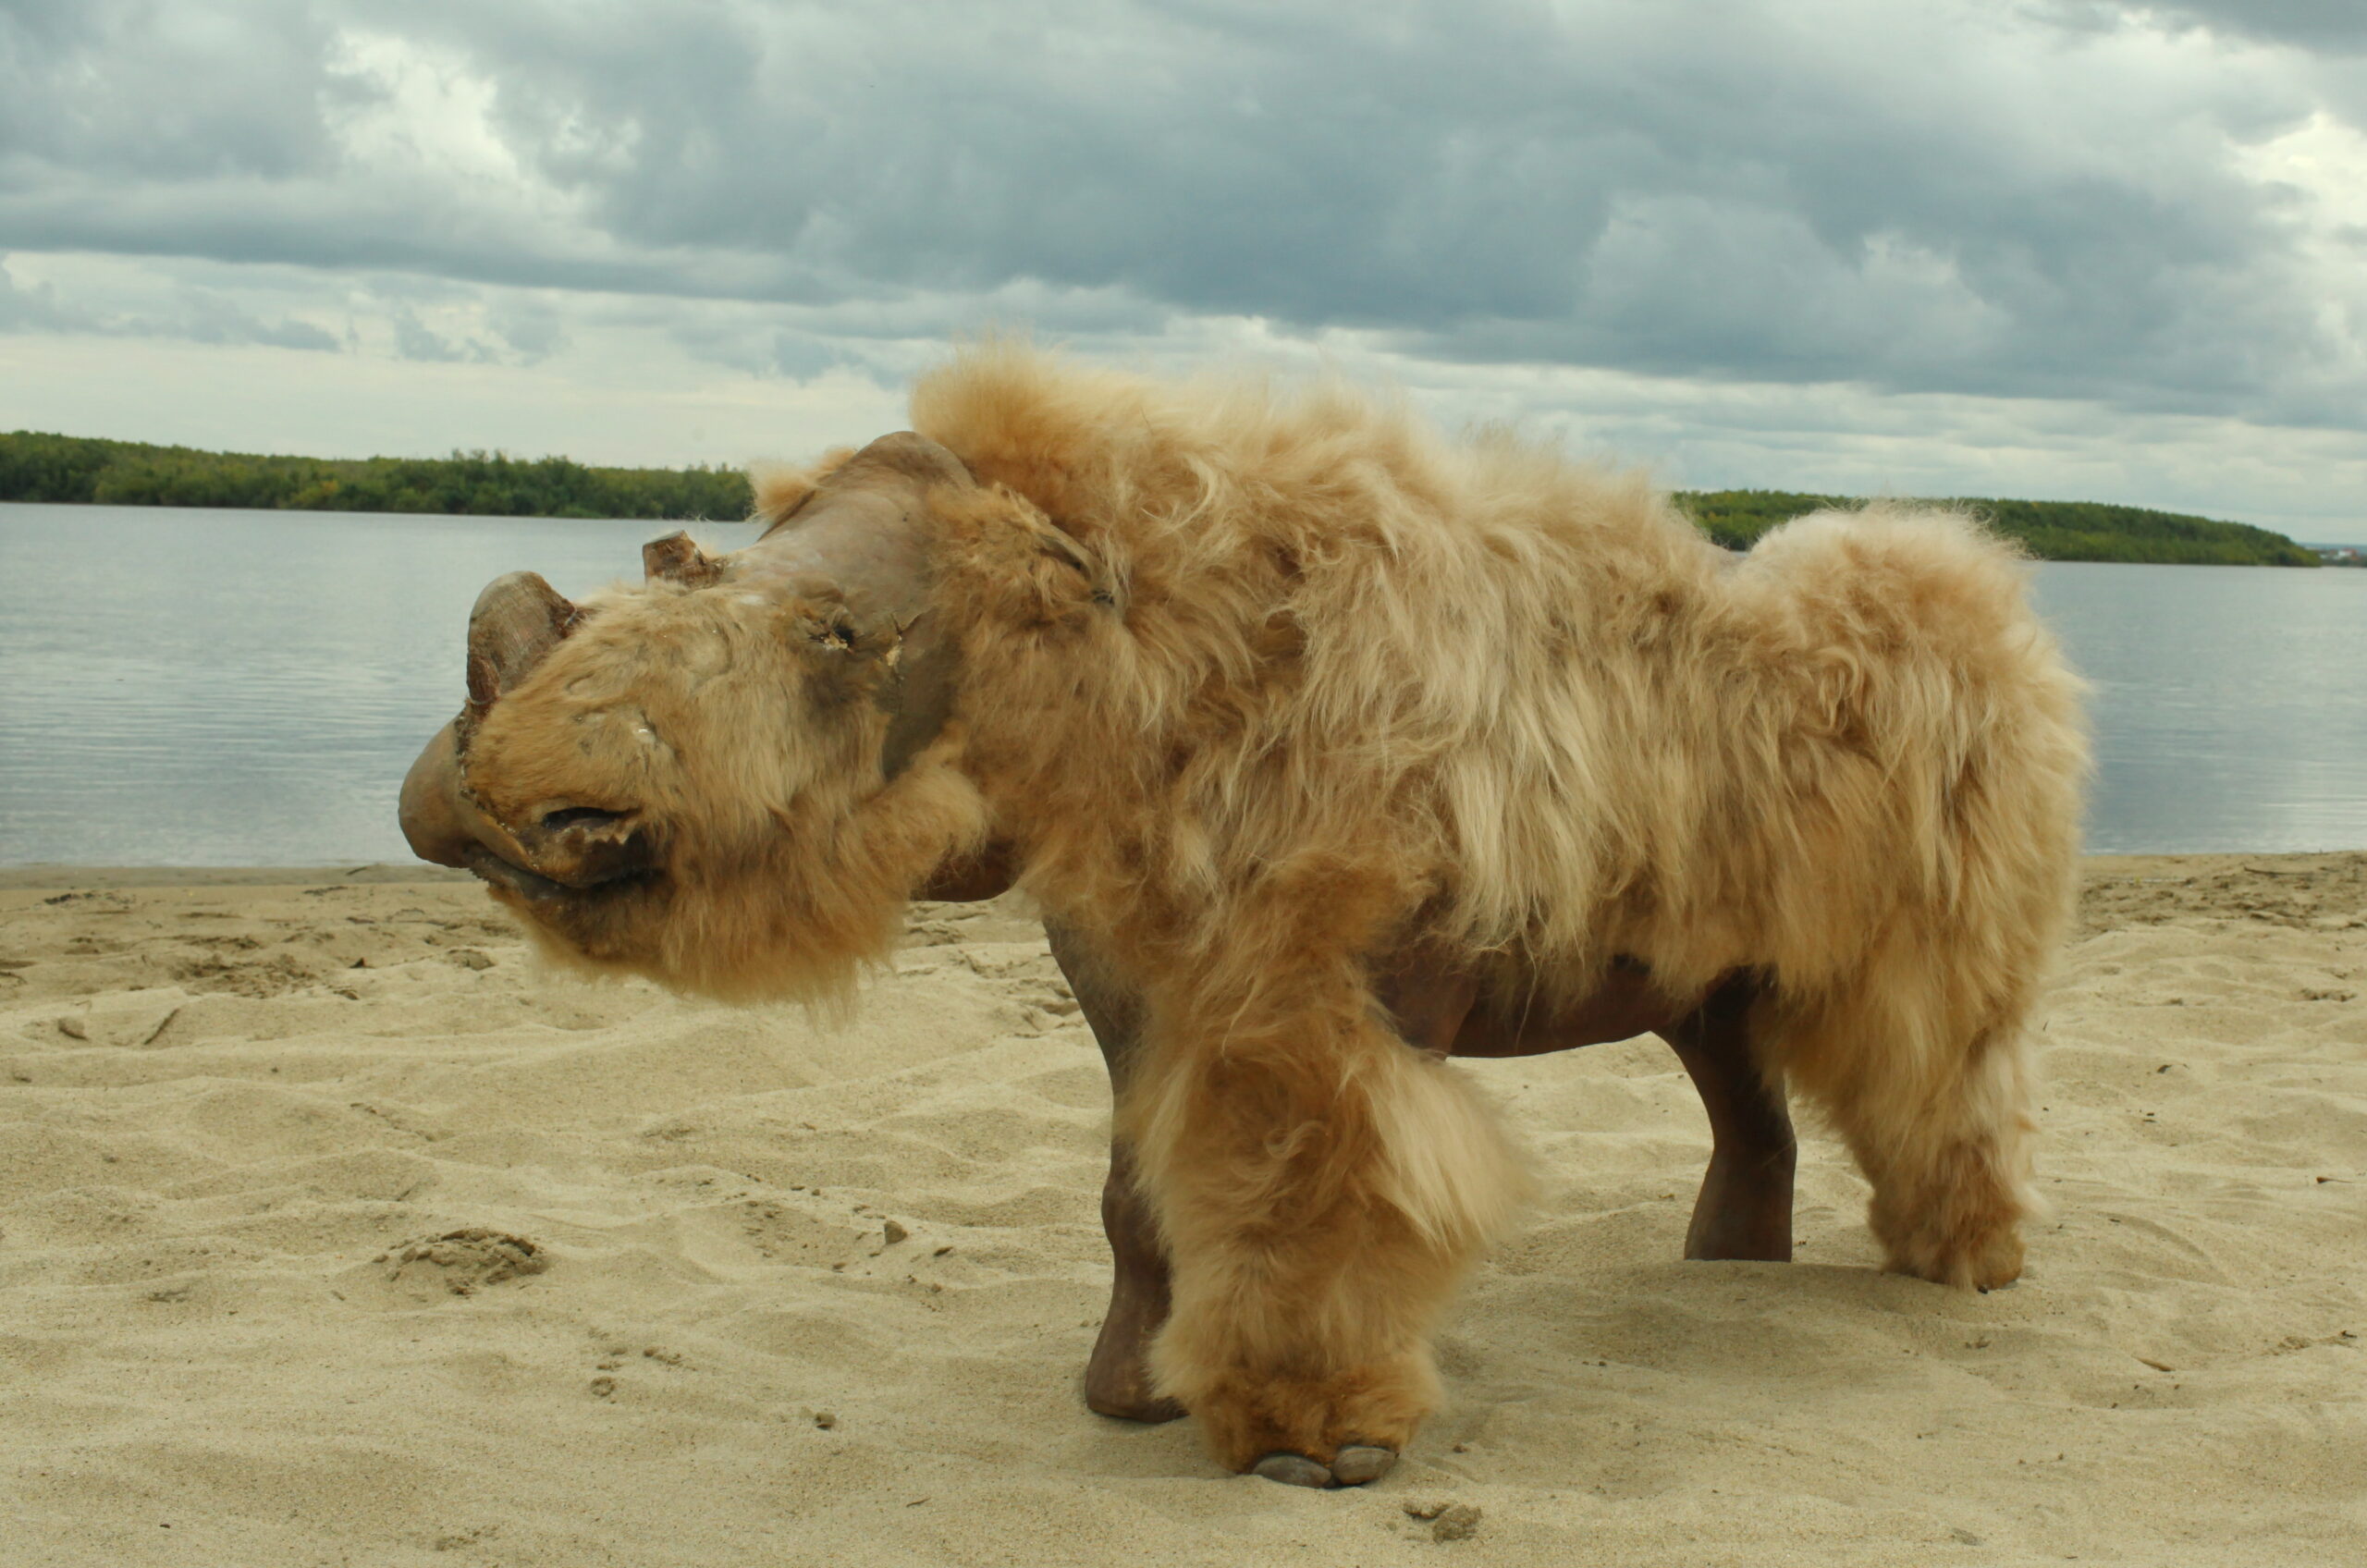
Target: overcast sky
{"x": 2052, "y": 247}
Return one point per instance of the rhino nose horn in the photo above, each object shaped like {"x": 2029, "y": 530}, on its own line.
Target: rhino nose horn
{"x": 516, "y": 622}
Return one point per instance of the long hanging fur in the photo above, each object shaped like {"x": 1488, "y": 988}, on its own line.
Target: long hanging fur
{"x": 1303, "y": 675}
{"x": 1258, "y": 685}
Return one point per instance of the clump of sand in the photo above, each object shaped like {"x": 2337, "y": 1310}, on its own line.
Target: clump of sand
{"x": 333, "y": 1231}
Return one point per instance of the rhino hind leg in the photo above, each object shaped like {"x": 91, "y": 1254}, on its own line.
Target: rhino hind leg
{"x": 1745, "y": 1207}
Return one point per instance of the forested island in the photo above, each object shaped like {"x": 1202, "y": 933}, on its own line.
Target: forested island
{"x": 35, "y": 467}
{"x": 2053, "y": 531}
{"x": 129, "y": 473}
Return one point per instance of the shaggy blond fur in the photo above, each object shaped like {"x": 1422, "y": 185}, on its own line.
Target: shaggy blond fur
{"x": 1257, "y": 687}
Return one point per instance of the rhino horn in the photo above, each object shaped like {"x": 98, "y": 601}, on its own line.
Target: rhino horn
{"x": 517, "y": 621}
{"x": 676, "y": 558}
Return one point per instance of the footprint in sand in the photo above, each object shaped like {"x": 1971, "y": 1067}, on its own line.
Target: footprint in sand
{"x": 462, "y": 1262}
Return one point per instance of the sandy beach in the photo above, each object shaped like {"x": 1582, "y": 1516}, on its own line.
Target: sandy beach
{"x": 335, "y": 1230}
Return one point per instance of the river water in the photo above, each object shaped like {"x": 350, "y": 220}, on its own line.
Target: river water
{"x": 246, "y": 687}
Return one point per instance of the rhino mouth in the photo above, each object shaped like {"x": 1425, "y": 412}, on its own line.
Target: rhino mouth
{"x": 581, "y": 816}
{"x": 537, "y": 888}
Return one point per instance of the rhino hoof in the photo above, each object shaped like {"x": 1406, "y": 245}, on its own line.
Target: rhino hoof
{"x": 1292, "y": 1470}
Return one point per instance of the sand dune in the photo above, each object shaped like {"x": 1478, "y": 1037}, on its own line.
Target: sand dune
{"x": 331, "y": 1231}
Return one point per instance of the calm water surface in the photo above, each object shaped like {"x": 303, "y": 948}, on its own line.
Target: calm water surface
{"x": 245, "y": 687}
{"x": 239, "y": 688}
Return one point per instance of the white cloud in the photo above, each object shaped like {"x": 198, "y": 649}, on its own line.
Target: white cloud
{"x": 2057, "y": 247}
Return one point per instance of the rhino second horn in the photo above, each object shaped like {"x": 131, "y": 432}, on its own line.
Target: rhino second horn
{"x": 676, "y": 558}
{"x": 517, "y": 621}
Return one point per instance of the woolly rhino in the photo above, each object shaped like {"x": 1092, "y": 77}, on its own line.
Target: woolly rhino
{"x": 1332, "y": 752}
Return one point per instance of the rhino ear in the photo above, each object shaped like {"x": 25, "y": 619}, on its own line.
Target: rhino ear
{"x": 516, "y": 622}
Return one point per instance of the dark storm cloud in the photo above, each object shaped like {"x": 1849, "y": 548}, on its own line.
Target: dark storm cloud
{"x": 2316, "y": 24}
{"x": 2035, "y": 198}
{"x": 1932, "y": 202}
{"x": 151, "y": 90}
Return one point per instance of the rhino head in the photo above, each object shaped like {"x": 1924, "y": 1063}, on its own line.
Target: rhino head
{"x": 711, "y": 779}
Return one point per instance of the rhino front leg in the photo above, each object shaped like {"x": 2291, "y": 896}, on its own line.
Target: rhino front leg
{"x": 1117, "y": 1379}
{"x": 1322, "y": 1190}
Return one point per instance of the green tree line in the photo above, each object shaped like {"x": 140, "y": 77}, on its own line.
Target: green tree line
{"x": 35, "y": 467}
{"x": 2053, "y": 531}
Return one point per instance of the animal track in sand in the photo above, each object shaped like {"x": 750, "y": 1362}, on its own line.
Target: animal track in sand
{"x": 465, "y": 1261}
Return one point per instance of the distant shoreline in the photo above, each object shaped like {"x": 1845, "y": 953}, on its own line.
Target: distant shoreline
{"x": 71, "y": 470}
